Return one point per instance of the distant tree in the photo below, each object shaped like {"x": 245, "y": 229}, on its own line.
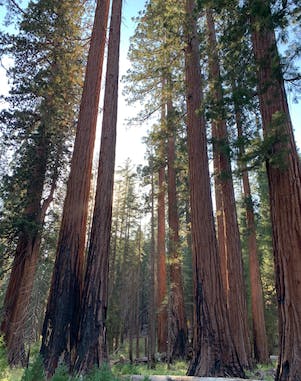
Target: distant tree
{"x": 178, "y": 336}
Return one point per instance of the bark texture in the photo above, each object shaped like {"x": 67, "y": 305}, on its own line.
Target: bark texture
{"x": 228, "y": 231}
{"x": 17, "y": 298}
{"x": 177, "y": 318}
{"x": 92, "y": 343}
{"x": 161, "y": 268}
{"x": 214, "y": 351}
{"x": 62, "y": 314}
{"x": 284, "y": 177}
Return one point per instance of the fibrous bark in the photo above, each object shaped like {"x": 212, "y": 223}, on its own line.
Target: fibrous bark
{"x": 284, "y": 177}
{"x": 92, "y": 343}
{"x": 214, "y": 351}
{"x": 17, "y": 297}
{"x": 62, "y": 314}
{"x": 230, "y": 237}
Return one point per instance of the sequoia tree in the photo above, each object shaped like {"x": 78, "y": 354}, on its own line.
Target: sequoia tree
{"x": 284, "y": 177}
{"x": 62, "y": 314}
{"x": 38, "y": 127}
{"x": 92, "y": 343}
{"x": 229, "y": 237}
{"x": 214, "y": 351}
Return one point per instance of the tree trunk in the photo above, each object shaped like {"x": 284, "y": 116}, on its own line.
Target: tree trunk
{"x": 161, "y": 277}
{"x": 92, "y": 344}
{"x": 62, "y": 314}
{"x": 177, "y": 321}
{"x": 138, "y": 295}
{"x": 284, "y": 174}
{"x": 214, "y": 351}
{"x": 260, "y": 341}
{"x": 151, "y": 306}
{"x": 235, "y": 291}
{"x": 17, "y": 297}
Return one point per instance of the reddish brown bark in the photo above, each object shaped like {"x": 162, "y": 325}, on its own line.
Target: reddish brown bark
{"x": 284, "y": 177}
{"x": 61, "y": 319}
{"x": 260, "y": 342}
{"x": 177, "y": 317}
{"x": 161, "y": 268}
{"x": 17, "y": 297}
{"x": 92, "y": 344}
{"x": 214, "y": 351}
{"x": 230, "y": 243}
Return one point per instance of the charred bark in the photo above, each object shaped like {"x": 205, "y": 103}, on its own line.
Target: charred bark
{"x": 92, "y": 343}
{"x": 284, "y": 177}
{"x": 214, "y": 351}
{"x": 62, "y": 314}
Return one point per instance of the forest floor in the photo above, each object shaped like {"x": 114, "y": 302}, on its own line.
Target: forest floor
{"x": 264, "y": 372}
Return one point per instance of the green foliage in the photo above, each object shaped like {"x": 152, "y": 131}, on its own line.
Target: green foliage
{"x": 104, "y": 373}
{"x": 3, "y": 360}
{"x": 178, "y": 368}
{"x": 35, "y": 371}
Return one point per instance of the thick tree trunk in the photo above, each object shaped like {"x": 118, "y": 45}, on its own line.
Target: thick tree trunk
{"x": 284, "y": 176}
{"x": 214, "y": 351}
{"x": 235, "y": 291}
{"x": 92, "y": 344}
{"x": 260, "y": 341}
{"x": 161, "y": 275}
{"x": 17, "y": 297}
{"x": 62, "y": 314}
{"x": 177, "y": 318}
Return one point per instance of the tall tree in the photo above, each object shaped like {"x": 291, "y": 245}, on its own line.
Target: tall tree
{"x": 260, "y": 343}
{"x": 61, "y": 320}
{"x": 284, "y": 176}
{"x": 177, "y": 318}
{"x": 92, "y": 342}
{"x": 42, "y": 120}
{"x": 161, "y": 266}
{"x": 232, "y": 268}
{"x": 214, "y": 351}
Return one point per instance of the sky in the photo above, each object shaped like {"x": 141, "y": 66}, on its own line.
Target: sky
{"x": 129, "y": 142}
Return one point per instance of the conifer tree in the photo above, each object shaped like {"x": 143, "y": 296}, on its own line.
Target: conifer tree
{"x": 46, "y": 51}
{"x": 214, "y": 351}
{"x": 232, "y": 267}
{"x": 284, "y": 174}
{"x": 92, "y": 342}
{"x": 60, "y": 328}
